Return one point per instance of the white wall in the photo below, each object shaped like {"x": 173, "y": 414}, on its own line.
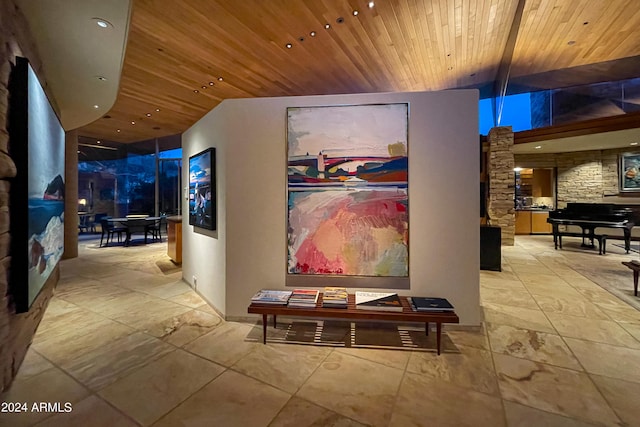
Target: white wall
{"x": 248, "y": 252}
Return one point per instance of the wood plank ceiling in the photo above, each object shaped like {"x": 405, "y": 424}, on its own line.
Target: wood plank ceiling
{"x": 238, "y": 49}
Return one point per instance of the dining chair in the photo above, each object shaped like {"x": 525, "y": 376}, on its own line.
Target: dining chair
{"x": 110, "y": 229}
{"x": 156, "y": 228}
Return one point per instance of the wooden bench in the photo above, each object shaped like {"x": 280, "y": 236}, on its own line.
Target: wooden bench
{"x": 601, "y": 238}
{"x": 351, "y": 312}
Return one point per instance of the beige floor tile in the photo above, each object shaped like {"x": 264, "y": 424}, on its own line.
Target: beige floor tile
{"x": 580, "y": 307}
{"x": 632, "y": 328}
{"x": 622, "y": 313}
{"x": 498, "y": 283}
{"x": 145, "y": 316}
{"x": 71, "y": 341}
{"x": 622, "y": 396}
{"x": 608, "y": 360}
{"x": 510, "y": 298}
{"x": 470, "y": 368}
{"x": 284, "y": 366}
{"x": 469, "y": 338}
{"x": 226, "y": 344}
{"x": 100, "y": 367}
{"x": 71, "y": 318}
{"x": 56, "y": 308}
{"x": 158, "y": 387}
{"x": 91, "y": 411}
{"x": 531, "y": 345}
{"x": 129, "y": 301}
{"x": 517, "y": 317}
{"x": 226, "y": 402}
{"x": 301, "y": 413}
{"x": 189, "y": 298}
{"x": 556, "y": 287}
{"x": 393, "y": 358}
{"x": 356, "y": 388}
{"x": 183, "y": 329}
{"x": 530, "y": 267}
{"x": 552, "y": 389}
{"x": 90, "y": 295}
{"x": 603, "y": 331}
{"x": 169, "y": 290}
{"x": 52, "y": 385}
{"x": 424, "y": 401}
{"x": 33, "y": 364}
{"x": 524, "y": 416}
{"x": 551, "y": 280}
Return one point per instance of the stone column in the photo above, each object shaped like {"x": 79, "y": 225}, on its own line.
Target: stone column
{"x": 71, "y": 195}
{"x": 502, "y": 182}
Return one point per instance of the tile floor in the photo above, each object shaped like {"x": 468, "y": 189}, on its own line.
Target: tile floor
{"x": 130, "y": 346}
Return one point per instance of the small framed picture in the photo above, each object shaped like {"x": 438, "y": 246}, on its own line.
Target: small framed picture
{"x": 202, "y": 189}
{"x": 629, "y": 172}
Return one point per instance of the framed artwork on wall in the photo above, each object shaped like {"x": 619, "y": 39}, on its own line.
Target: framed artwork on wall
{"x": 629, "y": 172}
{"x": 348, "y": 199}
{"x": 37, "y": 145}
{"x": 202, "y": 189}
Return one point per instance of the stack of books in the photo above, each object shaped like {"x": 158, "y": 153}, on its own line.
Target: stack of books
{"x": 382, "y": 301}
{"x": 335, "y": 297}
{"x": 303, "y": 298}
{"x": 271, "y": 296}
{"x": 430, "y": 304}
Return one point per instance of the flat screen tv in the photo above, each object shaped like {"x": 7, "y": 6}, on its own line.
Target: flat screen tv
{"x": 36, "y": 145}
{"x": 202, "y": 189}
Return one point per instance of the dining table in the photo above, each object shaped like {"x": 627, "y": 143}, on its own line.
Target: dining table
{"x": 135, "y": 224}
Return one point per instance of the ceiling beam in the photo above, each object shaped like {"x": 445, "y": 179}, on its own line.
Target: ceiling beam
{"x": 502, "y": 76}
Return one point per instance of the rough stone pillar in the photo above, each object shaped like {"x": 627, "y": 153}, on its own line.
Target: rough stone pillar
{"x": 71, "y": 195}
{"x": 502, "y": 182}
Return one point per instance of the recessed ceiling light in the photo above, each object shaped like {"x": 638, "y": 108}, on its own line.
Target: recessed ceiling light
{"x": 371, "y": 4}
{"x": 288, "y": 45}
{"x": 96, "y": 106}
{"x": 585, "y": 23}
{"x": 148, "y": 114}
{"x": 118, "y": 130}
{"x": 472, "y": 75}
{"x": 97, "y": 141}
{"x": 78, "y": 151}
{"x": 355, "y": 13}
{"x": 300, "y": 39}
{"x": 211, "y": 83}
{"x": 196, "y": 91}
{"x": 340, "y": 20}
{"x": 634, "y": 143}
{"x": 157, "y": 110}
{"x": 537, "y": 147}
{"x": 312, "y": 33}
{"x": 156, "y": 128}
{"x": 204, "y": 87}
{"x": 449, "y": 68}
{"x": 327, "y": 26}
{"x": 571, "y": 42}
{"x": 220, "y": 79}
{"x": 132, "y": 122}
{"x": 102, "y": 23}
{"x": 101, "y": 78}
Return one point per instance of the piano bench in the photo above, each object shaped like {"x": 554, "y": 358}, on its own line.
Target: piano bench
{"x": 601, "y": 238}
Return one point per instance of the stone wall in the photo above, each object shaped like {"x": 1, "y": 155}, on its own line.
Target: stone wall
{"x": 502, "y": 182}
{"x": 16, "y": 330}
{"x": 583, "y": 176}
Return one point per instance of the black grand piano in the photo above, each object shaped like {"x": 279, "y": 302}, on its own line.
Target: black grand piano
{"x": 589, "y": 216}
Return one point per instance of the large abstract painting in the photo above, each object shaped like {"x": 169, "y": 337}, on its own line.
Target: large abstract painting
{"x": 37, "y": 143}
{"x": 202, "y": 189}
{"x": 348, "y": 193}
